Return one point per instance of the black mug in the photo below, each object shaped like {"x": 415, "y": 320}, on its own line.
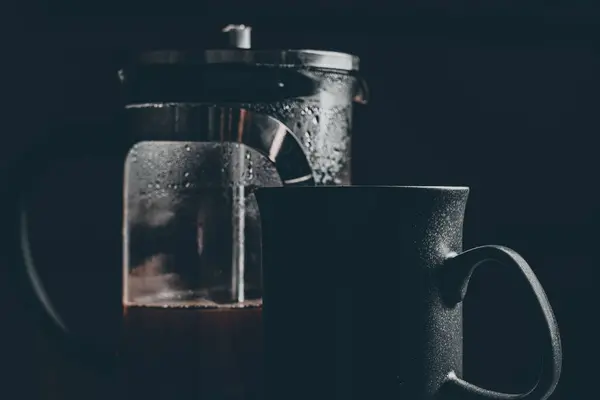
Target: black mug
{"x": 362, "y": 294}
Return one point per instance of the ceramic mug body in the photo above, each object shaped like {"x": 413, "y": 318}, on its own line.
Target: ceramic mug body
{"x": 363, "y": 289}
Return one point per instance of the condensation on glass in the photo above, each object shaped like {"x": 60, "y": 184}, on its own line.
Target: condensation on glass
{"x": 191, "y": 222}
{"x": 212, "y": 126}
{"x": 192, "y": 233}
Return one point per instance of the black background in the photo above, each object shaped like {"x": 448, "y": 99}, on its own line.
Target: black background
{"x": 503, "y": 98}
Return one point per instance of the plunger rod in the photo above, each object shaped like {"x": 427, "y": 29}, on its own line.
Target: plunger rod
{"x": 239, "y": 36}
{"x": 238, "y": 224}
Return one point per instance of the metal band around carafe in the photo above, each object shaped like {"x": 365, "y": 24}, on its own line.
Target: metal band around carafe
{"x": 203, "y": 123}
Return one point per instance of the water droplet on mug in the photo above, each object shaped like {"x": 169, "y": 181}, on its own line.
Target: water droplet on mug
{"x": 187, "y": 184}
{"x": 186, "y": 174}
{"x": 187, "y": 147}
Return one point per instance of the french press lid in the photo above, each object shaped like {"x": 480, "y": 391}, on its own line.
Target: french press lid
{"x": 237, "y": 73}
{"x": 239, "y": 38}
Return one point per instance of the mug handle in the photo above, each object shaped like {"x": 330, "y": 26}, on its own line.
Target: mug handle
{"x": 457, "y": 271}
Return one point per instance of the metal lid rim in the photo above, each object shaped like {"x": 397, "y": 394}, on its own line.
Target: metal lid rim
{"x": 281, "y": 58}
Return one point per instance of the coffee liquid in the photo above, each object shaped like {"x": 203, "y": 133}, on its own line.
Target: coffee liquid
{"x": 192, "y": 351}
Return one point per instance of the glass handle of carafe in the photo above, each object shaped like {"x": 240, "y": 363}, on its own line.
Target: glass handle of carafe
{"x": 31, "y": 166}
{"x": 31, "y": 270}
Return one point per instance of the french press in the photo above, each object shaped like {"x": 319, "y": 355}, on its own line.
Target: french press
{"x": 213, "y": 126}
{"x": 204, "y": 128}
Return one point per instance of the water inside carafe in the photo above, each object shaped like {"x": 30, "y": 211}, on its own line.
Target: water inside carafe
{"x": 191, "y": 224}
